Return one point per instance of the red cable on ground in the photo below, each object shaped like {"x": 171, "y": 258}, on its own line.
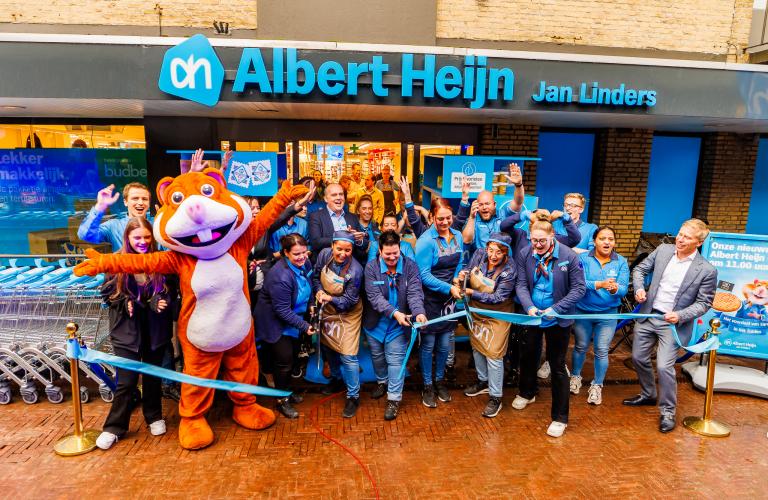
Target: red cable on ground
{"x": 313, "y": 418}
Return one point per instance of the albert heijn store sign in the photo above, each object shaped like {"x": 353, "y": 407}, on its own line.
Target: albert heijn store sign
{"x": 192, "y": 70}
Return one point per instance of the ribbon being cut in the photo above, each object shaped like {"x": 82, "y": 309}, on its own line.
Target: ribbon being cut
{"x": 712, "y": 343}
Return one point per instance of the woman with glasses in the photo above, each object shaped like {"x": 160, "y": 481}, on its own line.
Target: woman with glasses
{"x": 549, "y": 281}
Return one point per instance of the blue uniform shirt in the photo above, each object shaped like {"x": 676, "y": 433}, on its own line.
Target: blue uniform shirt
{"x": 543, "y": 289}
{"x": 405, "y": 249}
{"x": 302, "y": 297}
{"x": 299, "y": 226}
{"x": 586, "y": 229}
{"x": 483, "y": 230}
{"x": 428, "y": 251}
{"x": 602, "y": 300}
{"x": 388, "y": 328}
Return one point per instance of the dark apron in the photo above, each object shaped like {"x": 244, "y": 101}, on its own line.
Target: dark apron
{"x": 435, "y": 303}
{"x": 389, "y": 200}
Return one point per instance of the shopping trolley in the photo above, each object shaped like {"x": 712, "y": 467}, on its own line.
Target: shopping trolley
{"x": 36, "y": 303}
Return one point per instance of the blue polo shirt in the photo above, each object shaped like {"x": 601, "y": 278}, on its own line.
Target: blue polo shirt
{"x": 302, "y": 297}
{"x": 299, "y": 226}
{"x": 586, "y": 229}
{"x": 543, "y": 288}
{"x": 483, "y": 230}
{"x": 388, "y": 328}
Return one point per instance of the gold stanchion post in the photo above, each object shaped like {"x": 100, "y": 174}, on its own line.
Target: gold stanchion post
{"x": 80, "y": 441}
{"x": 705, "y": 425}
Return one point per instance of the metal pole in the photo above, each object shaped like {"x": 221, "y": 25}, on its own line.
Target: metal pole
{"x": 80, "y": 441}
{"x": 705, "y": 425}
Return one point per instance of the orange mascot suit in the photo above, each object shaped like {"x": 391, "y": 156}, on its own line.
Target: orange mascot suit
{"x": 209, "y": 231}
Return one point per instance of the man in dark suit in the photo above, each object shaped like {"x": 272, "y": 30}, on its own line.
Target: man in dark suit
{"x": 682, "y": 289}
{"x": 332, "y": 218}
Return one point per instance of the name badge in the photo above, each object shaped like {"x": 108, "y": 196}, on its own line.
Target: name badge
{"x": 378, "y": 283}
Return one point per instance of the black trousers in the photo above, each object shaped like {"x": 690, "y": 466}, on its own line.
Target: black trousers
{"x": 119, "y": 417}
{"x": 557, "y": 348}
{"x": 282, "y": 355}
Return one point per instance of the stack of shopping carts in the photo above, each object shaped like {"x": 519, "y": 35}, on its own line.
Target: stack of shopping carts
{"x": 37, "y": 300}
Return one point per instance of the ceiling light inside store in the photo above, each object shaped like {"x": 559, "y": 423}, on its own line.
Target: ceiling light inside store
{"x": 12, "y": 107}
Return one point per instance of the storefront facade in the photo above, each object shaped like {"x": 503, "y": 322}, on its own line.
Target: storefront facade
{"x": 650, "y": 142}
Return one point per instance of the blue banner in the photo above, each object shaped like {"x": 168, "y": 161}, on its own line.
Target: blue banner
{"x": 741, "y": 300}
{"x": 253, "y": 173}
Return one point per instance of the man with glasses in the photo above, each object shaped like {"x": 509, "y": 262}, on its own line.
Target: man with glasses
{"x": 574, "y": 204}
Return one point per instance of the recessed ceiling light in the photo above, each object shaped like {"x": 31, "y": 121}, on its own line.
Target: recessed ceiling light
{"x": 9, "y": 106}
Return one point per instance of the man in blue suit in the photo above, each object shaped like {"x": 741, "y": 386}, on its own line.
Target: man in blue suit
{"x": 682, "y": 289}
{"x": 325, "y": 221}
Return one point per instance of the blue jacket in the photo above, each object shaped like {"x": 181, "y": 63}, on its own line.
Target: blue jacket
{"x": 520, "y": 236}
{"x": 586, "y": 230}
{"x": 568, "y": 280}
{"x": 505, "y": 283}
{"x": 277, "y": 298}
{"x": 427, "y": 255}
{"x": 602, "y": 300}
{"x": 353, "y": 281}
{"x": 410, "y": 297}
{"x": 321, "y": 233}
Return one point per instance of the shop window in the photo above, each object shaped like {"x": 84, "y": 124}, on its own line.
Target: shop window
{"x": 334, "y": 159}
{"x": 49, "y": 177}
{"x": 565, "y": 167}
{"x": 757, "y": 223}
{"x": 671, "y": 183}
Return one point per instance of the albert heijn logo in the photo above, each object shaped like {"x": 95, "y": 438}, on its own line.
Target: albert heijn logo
{"x": 191, "y": 70}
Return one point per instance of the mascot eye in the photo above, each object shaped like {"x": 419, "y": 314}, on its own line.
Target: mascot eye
{"x": 177, "y": 197}
{"x": 206, "y": 189}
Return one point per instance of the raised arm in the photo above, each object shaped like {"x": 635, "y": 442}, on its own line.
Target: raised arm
{"x": 155, "y": 262}
{"x": 272, "y": 210}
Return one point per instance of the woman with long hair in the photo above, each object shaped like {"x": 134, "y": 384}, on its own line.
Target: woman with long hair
{"x": 140, "y": 328}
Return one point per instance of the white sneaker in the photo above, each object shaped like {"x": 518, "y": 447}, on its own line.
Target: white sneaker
{"x": 575, "y": 384}
{"x": 106, "y": 440}
{"x": 520, "y": 402}
{"x": 595, "y": 394}
{"x": 556, "y": 429}
{"x": 157, "y": 428}
{"x": 544, "y": 370}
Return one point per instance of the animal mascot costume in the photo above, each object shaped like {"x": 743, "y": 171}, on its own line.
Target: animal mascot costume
{"x": 209, "y": 231}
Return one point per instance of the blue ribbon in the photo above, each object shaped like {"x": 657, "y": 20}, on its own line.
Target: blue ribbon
{"x": 92, "y": 356}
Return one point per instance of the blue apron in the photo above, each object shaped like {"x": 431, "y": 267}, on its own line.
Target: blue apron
{"x": 437, "y": 304}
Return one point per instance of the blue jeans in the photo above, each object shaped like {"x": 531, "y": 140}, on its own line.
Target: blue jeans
{"x": 600, "y": 331}
{"x": 428, "y": 341}
{"x": 344, "y": 367}
{"x": 491, "y": 371}
{"x": 387, "y": 360}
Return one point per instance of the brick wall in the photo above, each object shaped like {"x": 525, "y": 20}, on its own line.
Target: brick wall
{"x": 513, "y": 140}
{"x": 724, "y": 184}
{"x": 619, "y": 183}
{"x": 702, "y": 26}
{"x": 186, "y": 13}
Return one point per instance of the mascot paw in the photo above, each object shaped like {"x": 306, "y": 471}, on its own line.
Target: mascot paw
{"x": 253, "y": 416}
{"x": 90, "y": 266}
{"x": 289, "y": 192}
{"x": 194, "y": 433}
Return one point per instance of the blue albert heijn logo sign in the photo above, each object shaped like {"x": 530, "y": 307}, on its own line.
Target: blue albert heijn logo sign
{"x": 191, "y": 70}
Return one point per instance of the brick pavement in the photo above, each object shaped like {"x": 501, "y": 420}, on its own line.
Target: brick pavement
{"x": 450, "y": 452}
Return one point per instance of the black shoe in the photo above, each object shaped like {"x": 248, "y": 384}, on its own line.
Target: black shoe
{"x": 667, "y": 423}
{"x": 350, "y": 407}
{"x": 450, "y": 374}
{"x": 639, "y": 400}
{"x": 379, "y": 391}
{"x": 476, "y": 389}
{"x": 492, "y": 408}
{"x": 171, "y": 391}
{"x": 334, "y": 386}
{"x": 285, "y": 407}
{"x": 298, "y": 371}
{"x": 442, "y": 392}
{"x": 428, "y": 396}
{"x": 512, "y": 379}
{"x": 391, "y": 412}
{"x": 295, "y": 398}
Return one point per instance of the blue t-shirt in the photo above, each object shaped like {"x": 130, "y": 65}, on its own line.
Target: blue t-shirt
{"x": 302, "y": 297}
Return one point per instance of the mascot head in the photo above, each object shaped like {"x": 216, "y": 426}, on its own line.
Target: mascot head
{"x": 756, "y": 292}
{"x": 199, "y": 215}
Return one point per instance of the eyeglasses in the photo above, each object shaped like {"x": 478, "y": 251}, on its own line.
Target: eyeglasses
{"x": 537, "y": 241}
{"x": 572, "y": 205}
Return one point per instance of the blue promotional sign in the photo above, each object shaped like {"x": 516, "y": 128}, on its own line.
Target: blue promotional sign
{"x": 741, "y": 302}
{"x": 477, "y": 170}
{"x": 253, "y": 173}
